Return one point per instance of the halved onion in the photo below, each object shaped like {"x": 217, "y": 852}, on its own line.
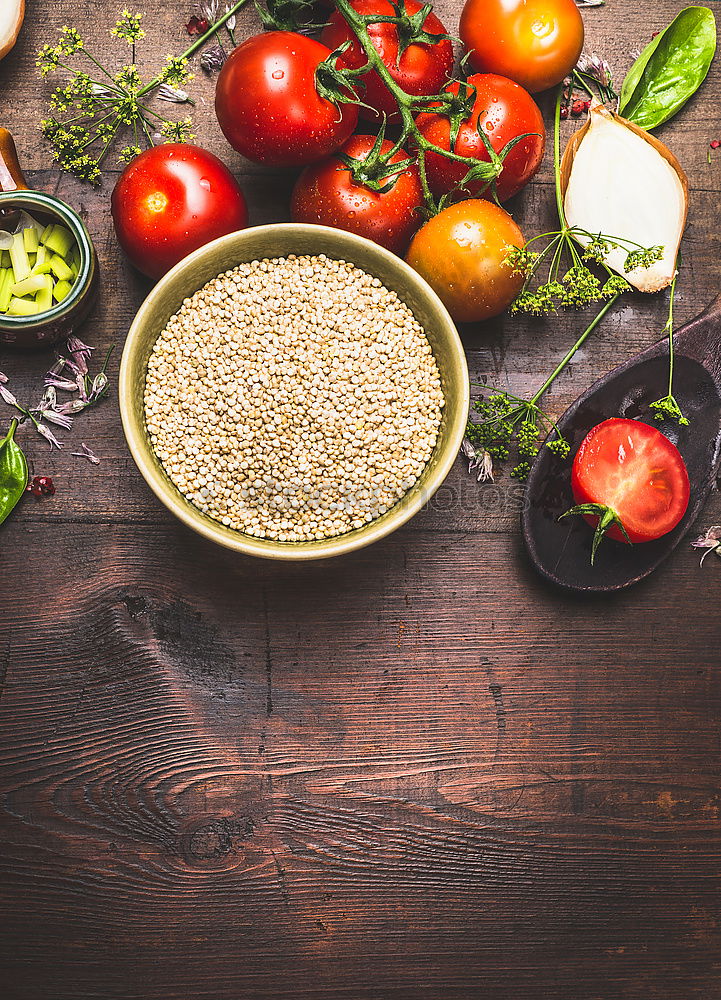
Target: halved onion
{"x": 619, "y": 181}
{"x": 12, "y": 13}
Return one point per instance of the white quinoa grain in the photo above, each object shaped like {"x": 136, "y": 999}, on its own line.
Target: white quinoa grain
{"x": 295, "y": 398}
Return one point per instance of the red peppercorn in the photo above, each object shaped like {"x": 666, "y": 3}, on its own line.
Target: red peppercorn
{"x": 197, "y": 25}
{"x": 41, "y": 486}
{"x": 579, "y": 108}
{"x": 715, "y": 143}
{"x": 46, "y": 485}
{"x": 564, "y": 112}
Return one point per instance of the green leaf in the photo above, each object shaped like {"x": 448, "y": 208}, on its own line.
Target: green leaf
{"x": 13, "y": 472}
{"x": 670, "y": 69}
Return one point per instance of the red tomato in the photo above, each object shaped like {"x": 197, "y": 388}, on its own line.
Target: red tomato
{"x": 636, "y": 471}
{"x": 461, "y": 251}
{"x": 503, "y": 110}
{"x": 534, "y": 42}
{"x": 171, "y": 200}
{"x": 268, "y": 106}
{"x": 327, "y": 194}
{"x": 422, "y": 69}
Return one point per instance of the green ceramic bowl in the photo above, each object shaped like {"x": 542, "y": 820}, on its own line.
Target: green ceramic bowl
{"x": 47, "y": 328}
{"x": 278, "y": 241}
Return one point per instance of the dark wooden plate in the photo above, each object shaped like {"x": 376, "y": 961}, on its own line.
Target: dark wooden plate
{"x": 561, "y": 550}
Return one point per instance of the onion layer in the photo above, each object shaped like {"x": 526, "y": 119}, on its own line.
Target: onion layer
{"x": 621, "y": 182}
{"x": 12, "y": 13}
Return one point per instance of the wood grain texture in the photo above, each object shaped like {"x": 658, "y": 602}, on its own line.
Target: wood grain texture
{"x": 415, "y": 773}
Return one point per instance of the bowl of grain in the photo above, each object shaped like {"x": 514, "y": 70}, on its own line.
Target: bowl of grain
{"x": 293, "y": 392}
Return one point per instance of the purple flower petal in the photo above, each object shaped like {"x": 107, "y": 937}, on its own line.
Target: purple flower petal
{"x": 8, "y": 396}
{"x": 60, "y": 383}
{"x": 48, "y": 435}
{"x": 59, "y": 419}
{"x": 80, "y": 353}
{"x": 86, "y": 453}
{"x": 72, "y": 406}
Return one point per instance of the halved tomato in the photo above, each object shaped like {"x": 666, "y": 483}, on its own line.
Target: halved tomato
{"x": 633, "y": 470}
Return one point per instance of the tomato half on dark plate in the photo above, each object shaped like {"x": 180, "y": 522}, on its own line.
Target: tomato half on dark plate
{"x": 632, "y": 471}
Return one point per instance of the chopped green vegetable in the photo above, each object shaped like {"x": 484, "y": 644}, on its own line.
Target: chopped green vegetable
{"x": 19, "y": 257}
{"x": 30, "y": 239}
{"x": 44, "y": 298}
{"x": 22, "y": 307}
{"x": 59, "y": 240}
{"x": 670, "y": 69}
{"x": 60, "y": 269}
{"x": 28, "y": 286}
{"x": 5, "y": 286}
{"x": 61, "y": 290}
{"x": 40, "y": 258}
{"x": 33, "y": 274}
{"x": 74, "y": 262}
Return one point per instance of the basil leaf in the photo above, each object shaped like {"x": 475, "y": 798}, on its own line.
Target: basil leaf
{"x": 13, "y": 472}
{"x": 670, "y": 69}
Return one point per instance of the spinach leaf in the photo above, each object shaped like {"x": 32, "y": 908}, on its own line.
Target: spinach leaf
{"x": 13, "y": 472}
{"x": 670, "y": 69}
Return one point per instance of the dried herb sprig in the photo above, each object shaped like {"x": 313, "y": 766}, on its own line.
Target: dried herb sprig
{"x": 93, "y": 109}
{"x": 710, "y": 541}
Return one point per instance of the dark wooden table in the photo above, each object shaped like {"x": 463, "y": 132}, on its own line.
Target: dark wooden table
{"x": 413, "y": 773}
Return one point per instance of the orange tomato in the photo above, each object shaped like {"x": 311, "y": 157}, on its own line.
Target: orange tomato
{"x": 461, "y": 251}
{"x": 534, "y": 42}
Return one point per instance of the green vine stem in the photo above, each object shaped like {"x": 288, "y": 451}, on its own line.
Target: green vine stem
{"x": 410, "y": 105}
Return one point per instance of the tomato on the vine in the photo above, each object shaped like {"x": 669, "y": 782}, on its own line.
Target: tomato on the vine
{"x": 503, "y": 110}
{"x": 268, "y": 104}
{"x": 534, "y": 42}
{"x": 327, "y": 193}
{"x": 422, "y": 67}
{"x": 635, "y": 472}
{"x": 171, "y": 200}
{"x": 461, "y": 253}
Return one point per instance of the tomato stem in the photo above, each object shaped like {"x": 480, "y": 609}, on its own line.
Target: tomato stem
{"x": 408, "y": 104}
{"x": 607, "y": 518}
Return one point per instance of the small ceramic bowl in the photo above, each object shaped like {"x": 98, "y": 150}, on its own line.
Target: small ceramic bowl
{"x": 47, "y": 328}
{"x": 279, "y": 241}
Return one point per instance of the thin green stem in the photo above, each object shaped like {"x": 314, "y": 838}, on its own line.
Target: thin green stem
{"x": 546, "y": 250}
{"x": 582, "y": 83}
{"x": 192, "y": 49}
{"x": 557, "y": 157}
{"x": 100, "y": 67}
{"x": 579, "y": 343}
{"x": 407, "y": 103}
{"x": 115, "y": 88}
{"x": 669, "y": 327}
{"x": 107, "y": 141}
{"x": 556, "y": 259}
